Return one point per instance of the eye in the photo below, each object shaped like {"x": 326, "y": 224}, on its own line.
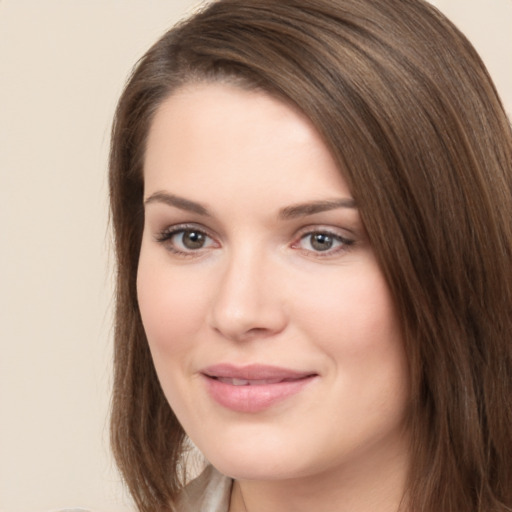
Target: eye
{"x": 185, "y": 240}
{"x": 191, "y": 239}
{"x": 323, "y": 242}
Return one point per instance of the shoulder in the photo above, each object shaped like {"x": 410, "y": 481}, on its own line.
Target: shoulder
{"x": 209, "y": 492}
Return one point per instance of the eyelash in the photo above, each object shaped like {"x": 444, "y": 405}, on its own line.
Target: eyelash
{"x": 344, "y": 243}
{"x": 165, "y": 238}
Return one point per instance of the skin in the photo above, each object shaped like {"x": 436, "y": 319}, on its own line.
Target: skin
{"x": 259, "y": 287}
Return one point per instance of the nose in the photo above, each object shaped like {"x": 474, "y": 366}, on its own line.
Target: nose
{"x": 247, "y": 302}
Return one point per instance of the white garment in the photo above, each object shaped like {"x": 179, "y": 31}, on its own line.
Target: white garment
{"x": 209, "y": 492}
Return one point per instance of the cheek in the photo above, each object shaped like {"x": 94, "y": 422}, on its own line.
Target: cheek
{"x": 171, "y": 306}
{"x": 353, "y": 313}
{"x": 354, "y": 322}
{"x": 365, "y": 346}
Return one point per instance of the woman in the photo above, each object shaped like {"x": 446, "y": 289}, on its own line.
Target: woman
{"x": 311, "y": 203}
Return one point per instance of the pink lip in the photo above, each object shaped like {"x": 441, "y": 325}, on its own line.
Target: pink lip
{"x": 267, "y": 385}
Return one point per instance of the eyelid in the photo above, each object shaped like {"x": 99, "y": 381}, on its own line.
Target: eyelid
{"x": 176, "y": 228}
{"x": 342, "y": 232}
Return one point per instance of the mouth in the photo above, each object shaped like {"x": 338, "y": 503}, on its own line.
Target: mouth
{"x": 253, "y": 388}
{"x": 253, "y": 382}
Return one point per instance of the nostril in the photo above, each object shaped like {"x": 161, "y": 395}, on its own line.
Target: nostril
{"x": 243, "y": 306}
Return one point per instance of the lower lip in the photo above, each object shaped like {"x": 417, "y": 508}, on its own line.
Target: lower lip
{"x": 251, "y": 399}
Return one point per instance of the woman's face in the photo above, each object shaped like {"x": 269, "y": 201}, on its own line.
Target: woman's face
{"x": 271, "y": 326}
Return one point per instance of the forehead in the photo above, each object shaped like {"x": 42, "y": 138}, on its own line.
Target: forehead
{"x": 219, "y": 134}
{"x": 215, "y": 114}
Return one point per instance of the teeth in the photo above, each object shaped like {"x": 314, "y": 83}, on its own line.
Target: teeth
{"x": 246, "y": 382}
{"x": 239, "y": 382}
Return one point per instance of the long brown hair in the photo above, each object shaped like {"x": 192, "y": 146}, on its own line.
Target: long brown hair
{"x": 411, "y": 116}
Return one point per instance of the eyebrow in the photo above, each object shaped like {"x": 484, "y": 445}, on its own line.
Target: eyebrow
{"x": 177, "y": 202}
{"x": 304, "y": 209}
{"x": 289, "y": 212}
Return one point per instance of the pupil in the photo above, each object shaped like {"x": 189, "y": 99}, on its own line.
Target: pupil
{"x": 321, "y": 242}
{"x": 193, "y": 239}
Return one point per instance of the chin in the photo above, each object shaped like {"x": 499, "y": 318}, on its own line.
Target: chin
{"x": 256, "y": 469}
{"x": 260, "y": 461}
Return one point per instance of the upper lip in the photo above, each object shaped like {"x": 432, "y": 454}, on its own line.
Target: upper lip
{"x": 254, "y": 372}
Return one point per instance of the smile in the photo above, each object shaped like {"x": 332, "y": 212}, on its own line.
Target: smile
{"x": 246, "y": 382}
{"x": 254, "y": 388}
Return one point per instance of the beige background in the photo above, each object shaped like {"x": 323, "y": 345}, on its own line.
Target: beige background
{"x": 62, "y": 67}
